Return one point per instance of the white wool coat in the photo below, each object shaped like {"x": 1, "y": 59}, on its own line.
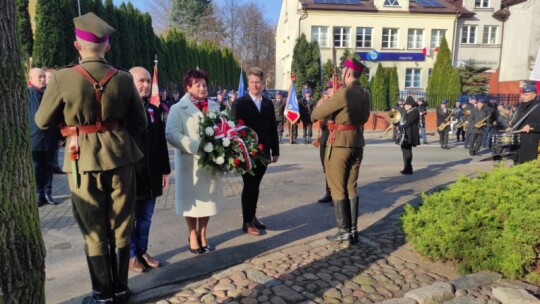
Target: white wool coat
{"x": 199, "y": 193}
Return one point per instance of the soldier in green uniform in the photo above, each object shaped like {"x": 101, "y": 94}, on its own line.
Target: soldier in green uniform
{"x": 349, "y": 110}
{"x": 99, "y": 109}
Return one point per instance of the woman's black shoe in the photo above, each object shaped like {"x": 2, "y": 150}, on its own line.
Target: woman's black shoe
{"x": 198, "y": 250}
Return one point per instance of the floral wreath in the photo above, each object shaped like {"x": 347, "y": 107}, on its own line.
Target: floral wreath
{"x": 228, "y": 145}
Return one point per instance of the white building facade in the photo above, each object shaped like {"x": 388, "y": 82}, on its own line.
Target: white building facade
{"x": 391, "y": 32}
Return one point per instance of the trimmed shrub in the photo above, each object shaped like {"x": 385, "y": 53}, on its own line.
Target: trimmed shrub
{"x": 487, "y": 223}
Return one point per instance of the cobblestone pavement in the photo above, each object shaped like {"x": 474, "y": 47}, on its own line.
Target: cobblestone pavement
{"x": 382, "y": 267}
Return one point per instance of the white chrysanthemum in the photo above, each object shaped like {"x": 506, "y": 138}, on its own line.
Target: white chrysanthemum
{"x": 231, "y": 123}
{"x": 212, "y": 115}
{"x": 208, "y": 147}
{"x": 209, "y": 131}
{"x": 226, "y": 141}
{"x": 220, "y": 160}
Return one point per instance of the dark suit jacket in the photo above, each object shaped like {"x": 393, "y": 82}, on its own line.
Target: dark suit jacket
{"x": 41, "y": 140}
{"x": 263, "y": 122}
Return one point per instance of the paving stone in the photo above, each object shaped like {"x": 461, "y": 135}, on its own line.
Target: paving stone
{"x": 286, "y": 293}
{"x": 432, "y": 294}
{"x": 332, "y": 293}
{"x": 367, "y": 288}
{"x": 277, "y": 300}
{"x": 362, "y": 279}
{"x": 475, "y": 279}
{"x": 399, "y": 301}
{"x": 514, "y": 296}
{"x": 257, "y": 276}
{"x": 464, "y": 300}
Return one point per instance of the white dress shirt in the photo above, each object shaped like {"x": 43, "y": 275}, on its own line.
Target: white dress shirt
{"x": 257, "y": 101}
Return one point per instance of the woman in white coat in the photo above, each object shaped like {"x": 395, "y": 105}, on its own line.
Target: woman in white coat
{"x": 199, "y": 193}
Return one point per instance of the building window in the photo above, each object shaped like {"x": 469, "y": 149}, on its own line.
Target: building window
{"x": 468, "y": 34}
{"x": 436, "y": 38}
{"x": 363, "y": 37}
{"x": 412, "y": 78}
{"x": 416, "y": 39}
{"x": 490, "y": 34}
{"x": 320, "y": 34}
{"x": 481, "y": 3}
{"x": 391, "y": 3}
{"x": 341, "y": 36}
{"x": 390, "y": 38}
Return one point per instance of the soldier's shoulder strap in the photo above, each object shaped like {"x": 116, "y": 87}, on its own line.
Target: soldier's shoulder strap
{"x": 66, "y": 66}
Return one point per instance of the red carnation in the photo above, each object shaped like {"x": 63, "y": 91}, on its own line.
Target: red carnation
{"x": 240, "y": 122}
{"x": 261, "y": 147}
{"x": 236, "y": 162}
{"x": 242, "y": 133}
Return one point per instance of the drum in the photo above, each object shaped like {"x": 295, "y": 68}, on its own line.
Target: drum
{"x": 506, "y": 139}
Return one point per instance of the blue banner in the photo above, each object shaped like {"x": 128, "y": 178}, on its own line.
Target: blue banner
{"x": 391, "y": 56}
{"x": 241, "y": 88}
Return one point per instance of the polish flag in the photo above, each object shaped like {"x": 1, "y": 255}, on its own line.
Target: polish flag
{"x": 154, "y": 98}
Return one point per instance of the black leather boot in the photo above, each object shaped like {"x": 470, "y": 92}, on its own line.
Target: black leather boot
{"x": 327, "y": 198}
{"x": 120, "y": 275}
{"x": 353, "y": 236}
{"x": 342, "y": 208}
{"x": 102, "y": 284}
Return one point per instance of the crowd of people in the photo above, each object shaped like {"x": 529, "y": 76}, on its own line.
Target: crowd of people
{"x": 508, "y": 131}
{"x": 117, "y": 160}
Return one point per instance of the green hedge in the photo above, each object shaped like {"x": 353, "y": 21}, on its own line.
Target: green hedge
{"x": 487, "y": 223}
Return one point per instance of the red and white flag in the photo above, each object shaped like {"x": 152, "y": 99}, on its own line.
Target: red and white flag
{"x": 154, "y": 98}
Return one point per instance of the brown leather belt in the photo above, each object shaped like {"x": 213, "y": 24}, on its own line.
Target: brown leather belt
{"x": 97, "y": 128}
{"x": 335, "y": 128}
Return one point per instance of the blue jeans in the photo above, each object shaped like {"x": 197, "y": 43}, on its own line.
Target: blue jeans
{"x": 144, "y": 209}
{"x": 423, "y": 134}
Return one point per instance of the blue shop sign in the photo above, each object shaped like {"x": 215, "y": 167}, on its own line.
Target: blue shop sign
{"x": 391, "y": 56}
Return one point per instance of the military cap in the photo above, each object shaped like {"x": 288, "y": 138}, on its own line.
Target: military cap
{"x": 483, "y": 100}
{"x": 410, "y": 101}
{"x": 279, "y": 93}
{"x": 232, "y": 92}
{"x": 529, "y": 87}
{"x": 91, "y": 28}
{"x": 175, "y": 92}
{"x": 444, "y": 102}
{"x": 421, "y": 99}
{"x": 507, "y": 107}
{"x": 353, "y": 64}
{"x": 162, "y": 90}
{"x": 219, "y": 93}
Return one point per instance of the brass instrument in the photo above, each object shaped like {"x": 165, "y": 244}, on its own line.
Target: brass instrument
{"x": 446, "y": 121}
{"x": 462, "y": 122}
{"x": 481, "y": 123}
{"x": 394, "y": 117}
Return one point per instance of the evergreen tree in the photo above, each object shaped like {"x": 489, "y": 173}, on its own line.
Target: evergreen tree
{"x": 24, "y": 28}
{"x": 49, "y": 48}
{"x": 379, "y": 90}
{"x": 327, "y": 71}
{"x": 114, "y": 56}
{"x": 125, "y": 28}
{"x": 393, "y": 85}
{"x": 444, "y": 80}
{"x": 69, "y": 8}
{"x": 22, "y": 266}
{"x": 306, "y": 67}
{"x": 186, "y": 14}
{"x": 472, "y": 81}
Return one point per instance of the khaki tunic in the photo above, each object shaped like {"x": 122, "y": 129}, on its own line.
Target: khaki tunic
{"x": 103, "y": 203}
{"x": 350, "y": 105}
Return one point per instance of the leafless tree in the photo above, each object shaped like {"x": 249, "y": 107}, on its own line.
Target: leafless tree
{"x": 211, "y": 27}
{"x": 228, "y": 13}
{"x": 159, "y": 10}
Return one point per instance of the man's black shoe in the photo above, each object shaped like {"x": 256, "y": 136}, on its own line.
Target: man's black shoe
{"x": 50, "y": 200}
{"x": 327, "y": 198}
{"x": 57, "y": 170}
{"x": 258, "y": 224}
{"x": 406, "y": 172}
{"x": 41, "y": 201}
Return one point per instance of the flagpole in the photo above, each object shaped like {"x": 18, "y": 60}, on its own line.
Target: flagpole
{"x": 79, "y": 6}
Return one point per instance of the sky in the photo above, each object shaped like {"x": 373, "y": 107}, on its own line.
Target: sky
{"x": 270, "y": 7}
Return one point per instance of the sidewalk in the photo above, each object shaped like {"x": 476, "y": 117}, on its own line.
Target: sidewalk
{"x": 292, "y": 262}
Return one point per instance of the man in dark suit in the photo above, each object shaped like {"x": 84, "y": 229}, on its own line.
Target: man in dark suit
{"x": 527, "y": 120}
{"x": 258, "y": 113}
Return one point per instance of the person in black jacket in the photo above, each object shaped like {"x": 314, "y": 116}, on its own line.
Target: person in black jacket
{"x": 152, "y": 174}
{"x": 306, "y": 107}
{"x": 409, "y": 127}
{"x": 44, "y": 142}
{"x": 530, "y": 125}
{"x": 476, "y": 127}
{"x": 279, "y": 108}
{"x": 258, "y": 113}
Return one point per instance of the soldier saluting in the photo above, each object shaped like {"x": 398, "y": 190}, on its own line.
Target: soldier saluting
{"x": 100, "y": 109}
